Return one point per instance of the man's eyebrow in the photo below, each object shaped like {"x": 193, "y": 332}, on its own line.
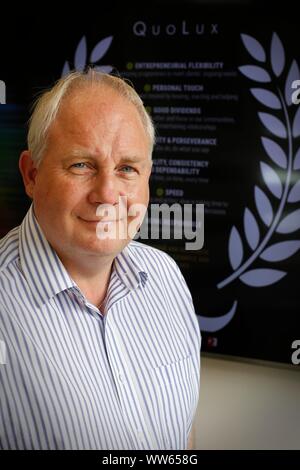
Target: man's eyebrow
{"x": 86, "y": 155}
{"x": 132, "y": 159}
{"x": 78, "y": 154}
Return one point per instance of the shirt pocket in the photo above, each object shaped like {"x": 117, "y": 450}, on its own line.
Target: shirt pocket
{"x": 174, "y": 392}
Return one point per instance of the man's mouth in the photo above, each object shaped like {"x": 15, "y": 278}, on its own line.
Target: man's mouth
{"x": 100, "y": 221}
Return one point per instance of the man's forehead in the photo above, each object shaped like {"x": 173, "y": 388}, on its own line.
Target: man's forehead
{"x": 106, "y": 109}
{"x": 97, "y": 117}
{"x": 94, "y": 97}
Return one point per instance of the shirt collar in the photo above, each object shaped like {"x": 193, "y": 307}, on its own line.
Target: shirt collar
{"x": 39, "y": 262}
{"x": 128, "y": 270}
{"x": 45, "y": 273}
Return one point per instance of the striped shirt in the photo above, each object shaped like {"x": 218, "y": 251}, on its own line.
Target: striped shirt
{"x": 73, "y": 378}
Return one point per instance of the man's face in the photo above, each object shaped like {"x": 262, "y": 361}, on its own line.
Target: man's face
{"x": 97, "y": 151}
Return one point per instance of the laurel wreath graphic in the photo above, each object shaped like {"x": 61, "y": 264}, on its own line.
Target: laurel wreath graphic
{"x": 81, "y": 59}
{"x": 275, "y": 206}
{"x": 280, "y": 187}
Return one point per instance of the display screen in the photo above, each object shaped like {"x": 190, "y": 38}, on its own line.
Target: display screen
{"x": 220, "y": 82}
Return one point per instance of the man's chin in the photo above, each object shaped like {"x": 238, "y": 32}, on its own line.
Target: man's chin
{"x": 106, "y": 247}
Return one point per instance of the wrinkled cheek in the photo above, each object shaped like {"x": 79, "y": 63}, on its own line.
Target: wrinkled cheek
{"x": 41, "y": 202}
{"x": 138, "y": 193}
{"x": 51, "y": 205}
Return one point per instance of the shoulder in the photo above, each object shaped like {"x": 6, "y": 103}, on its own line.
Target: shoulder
{"x": 9, "y": 253}
{"x": 168, "y": 283}
{"x": 9, "y": 248}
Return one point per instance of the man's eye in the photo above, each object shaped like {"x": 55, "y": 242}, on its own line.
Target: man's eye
{"x": 79, "y": 165}
{"x": 127, "y": 169}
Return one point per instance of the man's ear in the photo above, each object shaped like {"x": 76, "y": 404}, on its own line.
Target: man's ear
{"x": 28, "y": 171}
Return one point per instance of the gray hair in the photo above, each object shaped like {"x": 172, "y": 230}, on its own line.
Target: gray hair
{"x": 47, "y": 105}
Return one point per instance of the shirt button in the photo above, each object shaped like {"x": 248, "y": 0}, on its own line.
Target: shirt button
{"x": 121, "y": 378}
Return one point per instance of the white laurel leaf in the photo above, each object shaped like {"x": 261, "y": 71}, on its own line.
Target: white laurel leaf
{"x": 66, "y": 69}
{"x": 290, "y": 223}
{"x": 235, "y": 248}
{"x": 296, "y": 165}
{"x": 280, "y": 251}
{"x": 294, "y": 195}
{"x": 266, "y": 97}
{"x": 273, "y": 124}
{"x": 271, "y": 179}
{"x": 80, "y": 58}
{"x": 255, "y": 73}
{"x": 254, "y": 48}
{"x": 263, "y": 206}
{"x": 275, "y": 152}
{"x": 277, "y": 55}
{"x": 261, "y": 277}
{"x": 251, "y": 229}
{"x": 100, "y": 49}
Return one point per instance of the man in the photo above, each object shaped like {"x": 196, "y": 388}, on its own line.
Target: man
{"x": 102, "y": 342}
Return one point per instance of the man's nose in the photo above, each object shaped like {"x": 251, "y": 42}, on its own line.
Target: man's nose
{"x": 104, "y": 190}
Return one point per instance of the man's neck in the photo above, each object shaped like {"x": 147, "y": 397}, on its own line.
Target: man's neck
{"x": 91, "y": 276}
